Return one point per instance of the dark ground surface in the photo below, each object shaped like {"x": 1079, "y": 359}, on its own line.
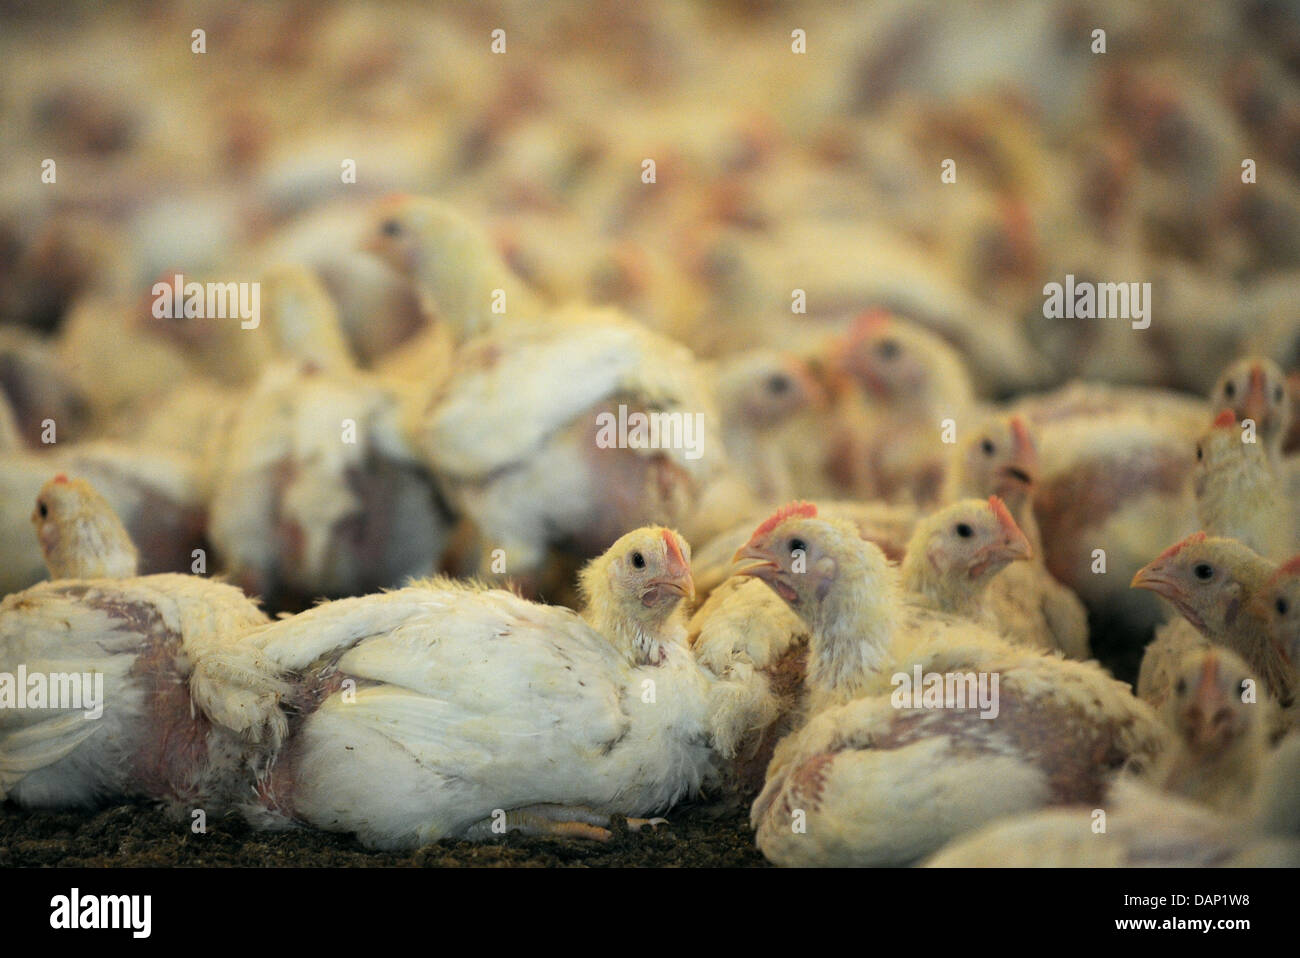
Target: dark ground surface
{"x": 141, "y": 835}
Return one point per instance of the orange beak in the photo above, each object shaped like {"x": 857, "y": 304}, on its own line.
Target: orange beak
{"x": 678, "y": 577}
{"x": 849, "y": 355}
{"x": 1255, "y": 405}
{"x": 811, "y": 388}
{"x": 1209, "y": 712}
{"x": 1024, "y": 461}
{"x": 1014, "y": 543}
{"x": 762, "y": 562}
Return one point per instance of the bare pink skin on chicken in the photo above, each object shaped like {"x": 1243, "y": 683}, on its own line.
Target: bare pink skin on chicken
{"x": 275, "y": 788}
{"x": 173, "y": 740}
{"x": 1078, "y": 754}
{"x": 632, "y": 490}
{"x": 1072, "y": 505}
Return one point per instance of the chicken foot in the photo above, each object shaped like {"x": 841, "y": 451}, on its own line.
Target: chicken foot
{"x": 557, "y": 821}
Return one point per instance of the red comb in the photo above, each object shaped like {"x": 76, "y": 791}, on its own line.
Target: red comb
{"x": 1225, "y": 419}
{"x": 1005, "y": 518}
{"x": 1257, "y": 378}
{"x": 61, "y": 478}
{"x": 804, "y": 510}
{"x": 1178, "y": 547}
{"x": 1289, "y": 567}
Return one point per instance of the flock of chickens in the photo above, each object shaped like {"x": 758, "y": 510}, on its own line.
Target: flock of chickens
{"x": 327, "y": 560}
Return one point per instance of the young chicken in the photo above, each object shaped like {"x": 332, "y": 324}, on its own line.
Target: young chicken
{"x": 447, "y": 710}
{"x": 759, "y": 391}
{"x": 158, "y": 495}
{"x": 1211, "y": 583}
{"x": 1220, "y": 725}
{"x": 1254, "y": 388}
{"x": 1031, "y": 607}
{"x": 456, "y": 270}
{"x": 1114, "y": 491}
{"x": 744, "y": 630}
{"x": 316, "y": 491}
{"x": 302, "y": 320}
{"x": 1278, "y": 605}
{"x": 746, "y": 634}
{"x": 527, "y": 438}
{"x": 170, "y": 708}
{"x": 1237, "y": 491}
{"x": 81, "y": 536}
{"x": 1149, "y": 828}
{"x": 870, "y": 781}
{"x": 956, "y": 552}
{"x": 911, "y": 381}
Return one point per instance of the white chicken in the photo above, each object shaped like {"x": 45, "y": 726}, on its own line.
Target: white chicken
{"x": 565, "y": 434}
{"x": 169, "y": 708}
{"x": 914, "y": 386}
{"x": 317, "y": 491}
{"x": 1278, "y": 606}
{"x": 159, "y": 496}
{"x": 759, "y": 391}
{"x": 955, "y": 553}
{"x": 1031, "y": 607}
{"x": 1213, "y": 584}
{"x": 1221, "y": 727}
{"x": 457, "y": 272}
{"x": 449, "y": 710}
{"x": 1148, "y": 828}
{"x": 1238, "y": 494}
{"x": 80, "y": 535}
{"x": 875, "y": 779}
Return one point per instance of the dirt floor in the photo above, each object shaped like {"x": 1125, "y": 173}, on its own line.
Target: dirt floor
{"x": 140, "y": 835}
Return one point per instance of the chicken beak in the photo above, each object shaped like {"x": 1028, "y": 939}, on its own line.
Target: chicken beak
{"x": 808, "y": 384}
{"x": 683, "y": 586}
{"x": 1153, "y": 578}
{"x": 677, "y": 579}
{"x": 1209, "y": 710}
{"x": 1024, "y": 461}
{"x": 850, "y": 356}
{"x": 1014, "y": 549}
{"x": 1014, "y": 545}
{"x": 762, "y": 564}
{"x": 1255, "y": 406}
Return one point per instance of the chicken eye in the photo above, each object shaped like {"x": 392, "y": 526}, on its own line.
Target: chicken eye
{"x": 988, "y": 447}
{"x": 638, "y": 560}
{"x": 1277, "y": 394}
{"x": 1282, "y": 607}
{"x": 1230, "y": 389}
{"x": 888, "y": 349}
{"x": 778, "y": 384}
{"x": 1200, "y": 453}
{"x": 798, "y": 545}
{"x": 42, "y": 509}
{"x": 391, "y": 228}
{"x": 1181, "y": 688}
{"x": 1203, "y": 571}
{"x": 964, "y": 530}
